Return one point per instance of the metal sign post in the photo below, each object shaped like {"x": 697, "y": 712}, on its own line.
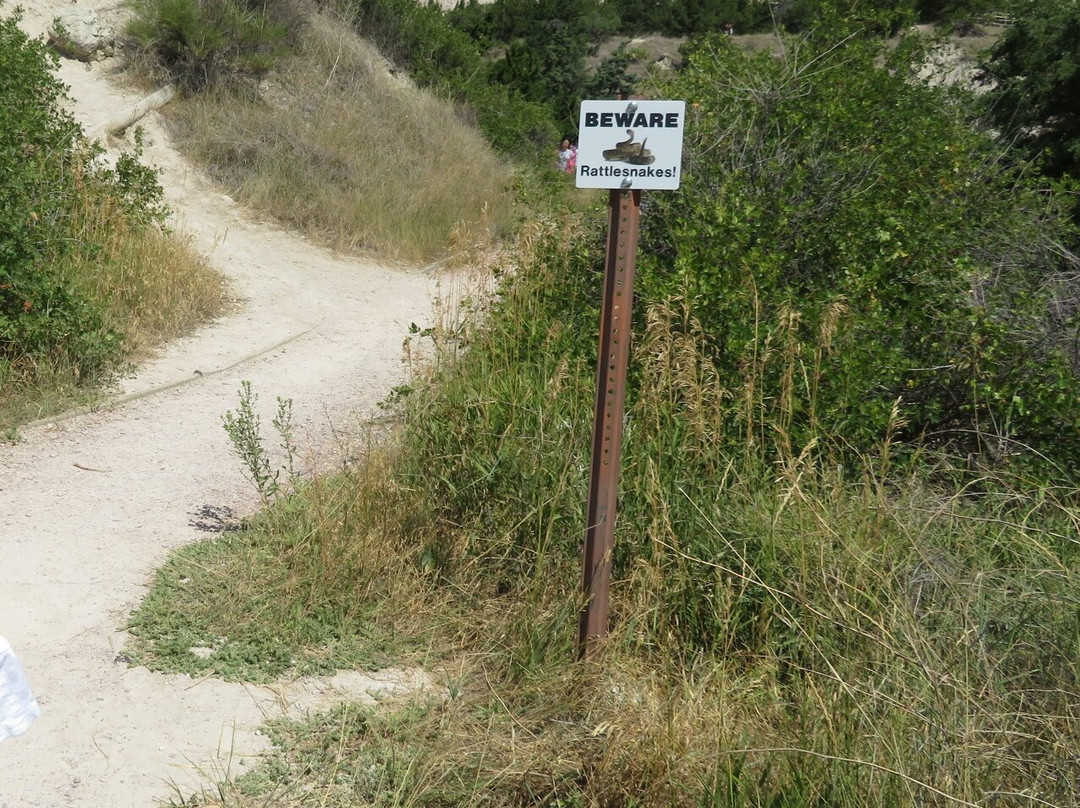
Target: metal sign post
{"x": 615, "y": 318}
{"x": 624, "y": 146}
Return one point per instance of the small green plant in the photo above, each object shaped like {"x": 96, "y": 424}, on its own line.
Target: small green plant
{"x": 244, "y": 427}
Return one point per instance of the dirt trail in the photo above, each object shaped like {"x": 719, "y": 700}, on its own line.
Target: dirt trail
{"x": 90, "y": 506}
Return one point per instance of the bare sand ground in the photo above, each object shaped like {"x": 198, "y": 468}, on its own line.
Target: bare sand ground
{"x": 91, "y": 505}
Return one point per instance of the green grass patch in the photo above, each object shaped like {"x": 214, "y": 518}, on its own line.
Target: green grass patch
{"x": 903, "y": 661}
{"x": 283, "y": 595}
{"x": 207, "y": 615}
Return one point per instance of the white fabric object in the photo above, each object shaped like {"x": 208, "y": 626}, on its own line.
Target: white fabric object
{"x": 18, "y": 708}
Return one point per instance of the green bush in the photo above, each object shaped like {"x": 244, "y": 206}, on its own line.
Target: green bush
{"x": 44, "y": 167}
{"x": 418, "y": 38}
{"x": 202, "y": 42}
{"x": 82, "y": 258}
{"x": 857, "y": 256}
{"x": 847, "y": 267}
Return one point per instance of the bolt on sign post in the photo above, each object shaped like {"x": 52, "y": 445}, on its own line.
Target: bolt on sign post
{"x": 627, "y": 147}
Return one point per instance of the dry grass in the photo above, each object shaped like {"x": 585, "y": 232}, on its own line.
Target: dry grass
{"x": 152, "y": 285}
{"x": 350, "y": 155}
{"x": 149, "y": 286}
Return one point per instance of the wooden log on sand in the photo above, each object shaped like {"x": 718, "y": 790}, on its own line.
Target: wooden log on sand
{"x": 118, "y": 123}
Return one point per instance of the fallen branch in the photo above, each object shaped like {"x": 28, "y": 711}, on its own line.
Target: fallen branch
{"x": 118, "y": 123}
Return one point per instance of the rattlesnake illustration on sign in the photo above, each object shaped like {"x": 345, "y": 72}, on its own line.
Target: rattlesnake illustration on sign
{"x": 627, "y": 151}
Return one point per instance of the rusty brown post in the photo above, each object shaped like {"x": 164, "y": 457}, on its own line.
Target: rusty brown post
{"x": 615, "y": 311}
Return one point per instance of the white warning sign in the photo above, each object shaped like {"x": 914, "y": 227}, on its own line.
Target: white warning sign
{"x": 630, "y": 144}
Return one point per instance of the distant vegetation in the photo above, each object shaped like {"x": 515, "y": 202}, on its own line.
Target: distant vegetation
{"x": 88, "y": 278}
{"x": 1036, "y": 84}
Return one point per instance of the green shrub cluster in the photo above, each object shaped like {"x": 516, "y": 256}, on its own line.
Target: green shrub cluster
{"x": 541, "y": 50}
{"x": 39, "y": 312}
{"x": 48, "y": 178}
{"x": 847, "y": 261}
{"x": 844, "y": 237}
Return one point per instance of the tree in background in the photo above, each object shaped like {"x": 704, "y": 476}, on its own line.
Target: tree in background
{"x": 954, "y": 10}
{"x": 800, "y": 15}
{"x": 204, "y": 42}
{"x": 1034, "y": 70}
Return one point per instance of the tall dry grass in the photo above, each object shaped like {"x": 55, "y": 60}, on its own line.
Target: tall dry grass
{"x": 786, "y": 632}
{"x": 153, "y": 286}
{"x": 148, "y": 285}
{"x": 351, "y": 155}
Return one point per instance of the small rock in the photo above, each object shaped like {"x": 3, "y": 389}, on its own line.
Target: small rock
{"x": 77, "y": 34}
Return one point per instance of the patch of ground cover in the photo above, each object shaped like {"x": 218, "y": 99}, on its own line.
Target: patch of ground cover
{"x": 299, "y": 590}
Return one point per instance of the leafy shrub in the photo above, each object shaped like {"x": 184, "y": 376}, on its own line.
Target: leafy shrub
{"x": 86, "y": 274}
{"x": 44, "y": 167}
{"x": 857, "y": 256}
{"x": 203, "y": 42}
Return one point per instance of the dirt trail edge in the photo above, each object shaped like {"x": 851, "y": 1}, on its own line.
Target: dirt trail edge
{"x": 91, "y": 505}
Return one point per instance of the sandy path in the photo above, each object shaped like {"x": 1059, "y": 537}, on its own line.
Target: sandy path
{"x": 77, "y": 547}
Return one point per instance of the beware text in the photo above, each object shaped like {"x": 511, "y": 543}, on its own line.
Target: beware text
{"x": 639, "y": 120}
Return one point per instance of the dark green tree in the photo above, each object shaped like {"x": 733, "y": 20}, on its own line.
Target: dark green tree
{"x": 1034, "y": 71}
